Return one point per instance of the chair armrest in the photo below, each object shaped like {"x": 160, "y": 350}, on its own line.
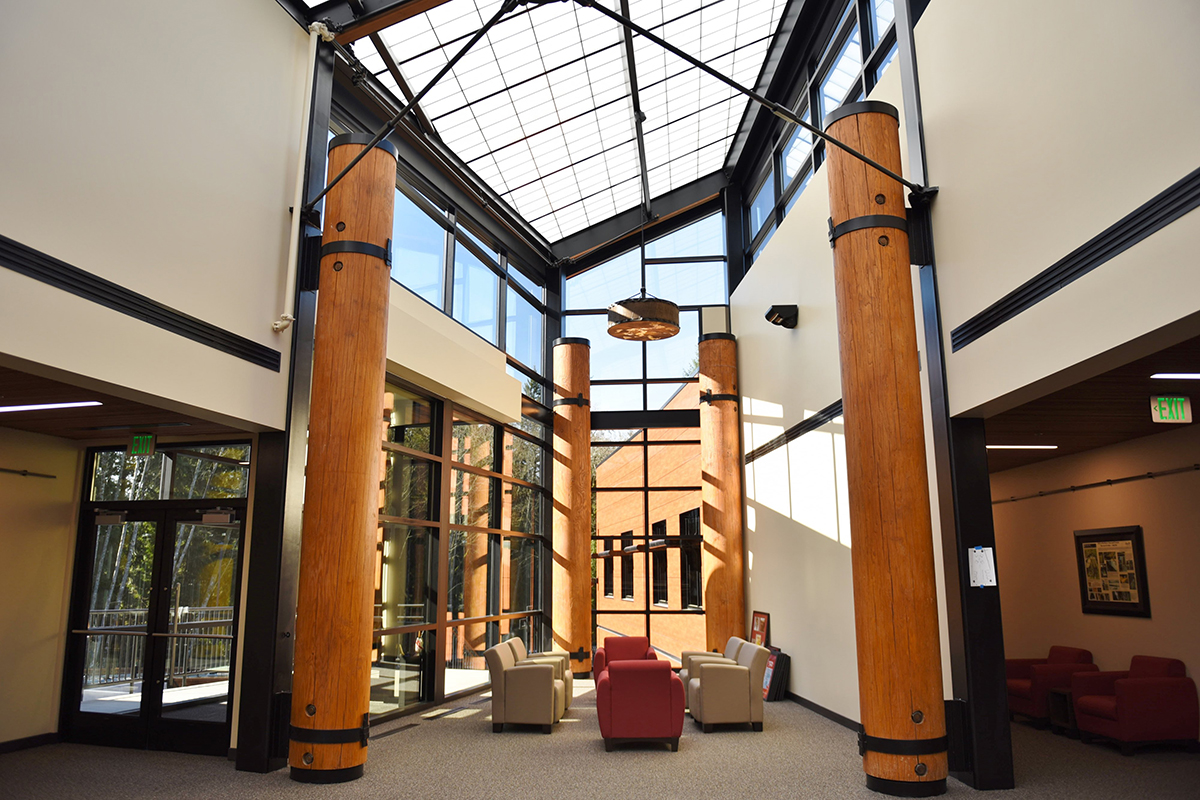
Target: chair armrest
{"x": 559, "y": 664}
{"x": 710, "y": 658}
{"x": 526, "y": 683}
{"x": 650, "y": 654}
{"x": 1160, "y": 693}
{"x": 599, "y": 661}
{"x": 1057, "y": 676}
{"x": 1020, "y": 667}
{"x": 1095, "y": 683}
{"x": 730, "y": 682}
{"x": 687, "y": 656}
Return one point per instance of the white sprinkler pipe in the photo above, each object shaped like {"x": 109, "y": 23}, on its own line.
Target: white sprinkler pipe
{"x": 315, "y": 31}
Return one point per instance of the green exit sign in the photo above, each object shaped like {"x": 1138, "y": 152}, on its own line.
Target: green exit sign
{"x": 142, "y": 444}
{"x": 1170, "y": 409}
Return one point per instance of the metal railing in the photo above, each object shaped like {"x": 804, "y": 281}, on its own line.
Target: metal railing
{"x": 201, "y": 643}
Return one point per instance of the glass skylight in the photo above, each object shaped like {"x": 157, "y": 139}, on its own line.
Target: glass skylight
{"x": 541, "y": 109}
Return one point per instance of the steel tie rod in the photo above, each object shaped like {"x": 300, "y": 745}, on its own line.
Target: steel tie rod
{"x": 505, "y": 7}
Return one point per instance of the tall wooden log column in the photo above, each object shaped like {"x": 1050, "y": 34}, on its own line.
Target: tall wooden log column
{"x": 895, "y": 610}
{"x": 572, "y": 518}
{"x": 721, "y": 491}
{"x": 331, "y": 684}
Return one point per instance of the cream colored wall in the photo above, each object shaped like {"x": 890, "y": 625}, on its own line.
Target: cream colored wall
{"x": 1035, "y": 550}
{"x": 154, "y": 145}
{"x": 1046, "y": 123}
{"x": 433, "y": 351}
{"x": 798, "y": 537}
{"x": 37, "y": 537}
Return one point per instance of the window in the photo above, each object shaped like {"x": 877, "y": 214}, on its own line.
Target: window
{"x": 763, "y": 204}
{"x": 608, "y": 569}
{"x": 476, "y": 289}
{"x": 842, "y": 74}
{"x": 627, "y": 565}
{"x": 691, "y": 577}
{"x": 418, "y": 249}
{"x": 658, "y": 547}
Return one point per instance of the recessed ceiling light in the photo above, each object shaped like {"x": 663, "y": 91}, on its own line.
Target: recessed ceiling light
{"x": 50, "y": 406}
{"x": 1022, "y": 447}
{"x": 1177, "y": 376}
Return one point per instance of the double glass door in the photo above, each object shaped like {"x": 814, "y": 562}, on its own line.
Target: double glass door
{"x": 154, "y": 626}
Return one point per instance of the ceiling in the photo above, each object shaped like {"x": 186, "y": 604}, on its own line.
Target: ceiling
{"x": 1109, "y": 408}
{"x": 543, "y": 109}
{"x": 116, "y": 418}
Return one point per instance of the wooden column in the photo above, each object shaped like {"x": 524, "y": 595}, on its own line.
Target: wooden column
{"x": 331, "y": 683}
{"x": 572, "y": 518}
{"x": 721, "y": 491}
{"x": 895, "y": 609}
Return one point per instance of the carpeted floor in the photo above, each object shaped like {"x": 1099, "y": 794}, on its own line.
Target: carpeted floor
{"x": 451, "y": 753}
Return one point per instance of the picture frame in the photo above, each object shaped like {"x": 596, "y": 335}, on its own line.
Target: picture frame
{"x": 1112, "y": 571}
{"x": 760, "y": 628}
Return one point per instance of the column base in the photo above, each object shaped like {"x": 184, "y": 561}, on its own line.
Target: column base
{"x": 906, "y": 788}
{"x": 328, "y": 775}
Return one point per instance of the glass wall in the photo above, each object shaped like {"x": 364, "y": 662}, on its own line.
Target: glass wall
{"x": 859, "y": 48}
{"x": 466, "y": 498}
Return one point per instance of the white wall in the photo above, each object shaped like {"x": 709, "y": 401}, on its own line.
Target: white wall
{"x": 154, "y": 145}
{"x": 1035, "y": 550}
{"x": 37, "y": 538}
{"x": 1046, "y": 123}
{"x": 798, "y": 536}
{"x": 433, "y": 351}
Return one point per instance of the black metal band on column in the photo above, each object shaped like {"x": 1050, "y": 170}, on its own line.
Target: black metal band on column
{"x": 709, "y": 397}
{"x": 868, "y": 221}
{"x": 906, "y": 788}
{"x": 363, "y": 138}
{"x": 327, "y": 775}
{"x": 577, "y": 400}
{"x": 365, "y": 248}
{"x": 901, "y": 747}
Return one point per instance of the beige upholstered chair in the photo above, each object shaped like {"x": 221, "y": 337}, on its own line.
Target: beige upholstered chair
{"x": 523, "y": 694}
{"x": 720, "y": 693}
{"x": 693, "y": 657}
{"x": 560, "y": 661}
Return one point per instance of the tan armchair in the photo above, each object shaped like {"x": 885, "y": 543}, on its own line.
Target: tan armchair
{"x": 691, "y": 659}
{"x": 523, "y": 694}
{"x": 721, "y": 693}
{"x": 560, "y": 661}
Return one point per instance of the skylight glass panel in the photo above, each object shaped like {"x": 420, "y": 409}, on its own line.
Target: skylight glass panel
{"x": 540, "y": 107}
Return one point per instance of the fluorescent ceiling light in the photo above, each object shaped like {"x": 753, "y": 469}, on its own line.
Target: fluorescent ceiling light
{"x": 1177, "y": 376}
{"x": 1022, "y": 447}
{"x": 50, "y": 406}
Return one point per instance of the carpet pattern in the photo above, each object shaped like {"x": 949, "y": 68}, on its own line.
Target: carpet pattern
{"x": 450, "y": 752}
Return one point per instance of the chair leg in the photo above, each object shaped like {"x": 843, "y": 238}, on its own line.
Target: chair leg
{"x": 608, "y": 745}
{"x": 1127, "y": 748}
{"x": 757, "y": 726}
{"x": 707, "y": 728}
{"x": 547, "y": 728}
{"x": 675, "y": 745}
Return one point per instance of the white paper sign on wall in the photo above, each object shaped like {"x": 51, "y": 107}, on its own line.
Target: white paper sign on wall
{"x": 983, "y": 566}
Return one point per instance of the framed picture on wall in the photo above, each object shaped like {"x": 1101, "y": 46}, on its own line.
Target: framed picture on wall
{"x": 1112, "y": 571}
{"x": 760, "y": 622}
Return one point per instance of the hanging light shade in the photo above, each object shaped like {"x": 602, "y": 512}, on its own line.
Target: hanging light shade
{"x": 643, "y": 318}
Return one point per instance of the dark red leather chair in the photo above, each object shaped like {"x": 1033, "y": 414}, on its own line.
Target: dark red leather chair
{"x": 621, "y": 648}
{"x": 1031, "y": 679}
{"x": 1152, "y": 702}
{"x": 639, "y": 700}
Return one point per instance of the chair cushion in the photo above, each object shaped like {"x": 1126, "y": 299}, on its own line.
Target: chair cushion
{"x": 1155, "y": 667}
{"x": 625, "y": 648}
{"x": 1097, "y": 705}
{"x": 1069, "y": 655}
{"x": 1021, "y": 687}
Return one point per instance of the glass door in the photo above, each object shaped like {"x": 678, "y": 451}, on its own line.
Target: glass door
{"x": 155, "y": 628}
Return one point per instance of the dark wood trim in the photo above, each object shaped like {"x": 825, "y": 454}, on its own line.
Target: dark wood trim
{"x": 51, "y": 271}
{"x": 1160, "y": 211}
{"x": 13, "y": 745}
{"x": 845, "y": 722}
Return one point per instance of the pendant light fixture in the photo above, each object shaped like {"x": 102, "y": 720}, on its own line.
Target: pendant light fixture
{"x": 643, "y": 317}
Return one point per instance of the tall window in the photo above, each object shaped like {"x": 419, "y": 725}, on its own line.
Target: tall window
{"x": 627, "y": 565}
{"x": 859, "y": 48}
{"x": 691, "y": 576}
{"x": 658, "y": 549}
{"x": 608, "y": 569}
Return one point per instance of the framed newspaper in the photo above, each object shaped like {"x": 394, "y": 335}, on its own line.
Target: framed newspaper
{"x": 1112, "y": 571}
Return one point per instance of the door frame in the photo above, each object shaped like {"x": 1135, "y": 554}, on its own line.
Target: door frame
{"x": 147, "y": 729}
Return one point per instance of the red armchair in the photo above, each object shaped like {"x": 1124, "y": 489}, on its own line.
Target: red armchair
{"x": 621, "y": 648}
{"x": 639, "y": 700}
{"x": 1031, "y": 679}
{"x": 1152, "y": 702}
